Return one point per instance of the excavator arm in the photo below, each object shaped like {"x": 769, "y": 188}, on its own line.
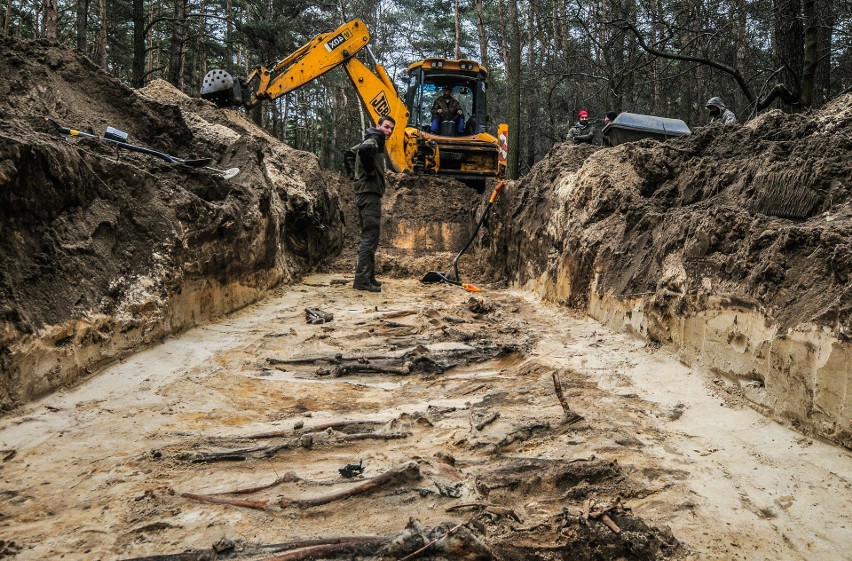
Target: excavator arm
{"x": 380, "y": 98}
{"x": 313, "y": 59}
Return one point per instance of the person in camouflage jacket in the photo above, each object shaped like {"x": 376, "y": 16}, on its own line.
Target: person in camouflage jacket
{"x": 719, "y": 114}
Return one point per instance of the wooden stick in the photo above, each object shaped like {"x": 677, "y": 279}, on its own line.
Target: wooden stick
{"x": 414, "y": 554}
{"x": 487, "y": 421}
{"x": 336, "y": 425}
{"x": 250, "y": 551}
{"x": 490, "y": 508}
{"x": 406, "y": 472}
{"x": 346, "y": 369}
{"x": 399, "y": 314}
{"x": 259, "y": 505}
{"x": 335, "y": 358}
{"x": 288, "y": 477}
{"x": 569, "y": 416}
{"x": 330, "y": 550}
{"x": 299, "y": 544}
{"x": 610, "y": 524}
{"x": 467, "y": 505}
{"x": 211, "y": 457}
{"x": 557, "y": 385}
{"x": 373, "y": 436}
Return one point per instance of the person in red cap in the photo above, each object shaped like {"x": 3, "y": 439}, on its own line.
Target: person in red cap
{"x": 583, "y": 131}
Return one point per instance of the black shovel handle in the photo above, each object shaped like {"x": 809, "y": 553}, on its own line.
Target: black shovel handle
{"x": 127, "y": 146}
{"x": 482, "y": 219}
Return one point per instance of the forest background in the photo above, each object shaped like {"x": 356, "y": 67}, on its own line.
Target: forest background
{"x": 547, "y": 59}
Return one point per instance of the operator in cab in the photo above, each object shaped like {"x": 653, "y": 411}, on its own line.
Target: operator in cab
{"x": 447, "y": 108}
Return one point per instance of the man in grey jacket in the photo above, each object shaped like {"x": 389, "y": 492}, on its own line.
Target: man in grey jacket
{"x": 370, "y": 168}
{"x": 719, "y": 114}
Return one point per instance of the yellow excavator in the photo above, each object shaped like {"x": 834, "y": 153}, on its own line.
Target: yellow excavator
{"x": 418, "y": 145}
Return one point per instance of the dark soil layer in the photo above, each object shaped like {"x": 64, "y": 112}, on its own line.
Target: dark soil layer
{"x": 761, "y": 211}
{"x": 110, "y": 248}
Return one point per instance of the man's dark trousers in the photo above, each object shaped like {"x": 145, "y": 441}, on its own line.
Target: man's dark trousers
{"x": 370, "y": 218}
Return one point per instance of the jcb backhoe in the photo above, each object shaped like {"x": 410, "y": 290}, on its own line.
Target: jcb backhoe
{"x": 471, "y": 155}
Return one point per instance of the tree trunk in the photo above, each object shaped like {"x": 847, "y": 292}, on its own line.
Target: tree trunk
{"x": 825, "y": 21}
{"x": 153, "y": 40}
{"x": 229, "y": 41}
{"x": 199, "y": 58}
{"x": 138, "y": 16}
{"x": 38, "y": 21}
{"x": 504, "y": 42}
{"x": 483, "y": 35}
{"x": 738, "y": 7}
{"x": 458, "y": 28}
{"x": 532, "y": 97}
{"x": 7, "y": 18}
{"x": 50, "y": 13}
{"x": 788, "y": 41}
{"x": 102, "y": 36}
{"x": 82, "y": 25}
{"x": 810, "y": 52}
{"x": 176, "y": 47}
{"x": 655, "y": 64}
{"x": 514, "y": 76}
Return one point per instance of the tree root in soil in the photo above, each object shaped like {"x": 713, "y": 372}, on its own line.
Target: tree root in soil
{"x": 453, "y": 540}
{"x": 407, "y": 472}
{"x": 309, "y": 440}
{"x": 418, "y": 360}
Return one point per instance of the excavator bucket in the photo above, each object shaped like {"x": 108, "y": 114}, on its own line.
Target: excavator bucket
{"x": 222, "y": 89}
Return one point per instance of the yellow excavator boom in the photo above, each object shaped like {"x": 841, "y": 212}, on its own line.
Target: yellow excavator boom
{"x": 409, "y": 148}
{"x": 321, "y": 54}
{"x": 310, "y": 61}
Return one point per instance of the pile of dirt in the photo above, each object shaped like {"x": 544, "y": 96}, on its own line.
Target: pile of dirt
{"x": 106, "y": 249}
{"x": 426, "y": 221}
{"x": 762, "y": 210}
{"x": 755, "y": 220}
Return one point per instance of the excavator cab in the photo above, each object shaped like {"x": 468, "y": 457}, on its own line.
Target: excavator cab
{"x": 426, "y": 81}
{"x": 466, "y": 152}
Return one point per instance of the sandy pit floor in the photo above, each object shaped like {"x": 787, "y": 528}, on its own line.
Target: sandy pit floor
{"x": 454, "y": 391}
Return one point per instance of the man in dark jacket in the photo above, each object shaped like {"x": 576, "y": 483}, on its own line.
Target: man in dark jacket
{"x": 447, "y": 108}
{"x": 370, "y": 167}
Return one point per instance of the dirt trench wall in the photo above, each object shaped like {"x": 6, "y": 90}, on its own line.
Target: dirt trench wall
{"x": 105, "y": 250}
{"x": 733, "y": 245}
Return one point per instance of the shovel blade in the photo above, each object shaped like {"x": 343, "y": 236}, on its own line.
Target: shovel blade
{"x": 230, "y": 172}
{"x": 434, "y": 276}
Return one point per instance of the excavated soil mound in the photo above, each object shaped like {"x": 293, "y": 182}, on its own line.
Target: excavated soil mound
{"x": 753, "y": 221}
{"x": 761, "y": 210}
{"x": 105, "y": 249}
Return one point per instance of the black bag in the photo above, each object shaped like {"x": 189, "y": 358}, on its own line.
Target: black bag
{"x": 349, "y": 157}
